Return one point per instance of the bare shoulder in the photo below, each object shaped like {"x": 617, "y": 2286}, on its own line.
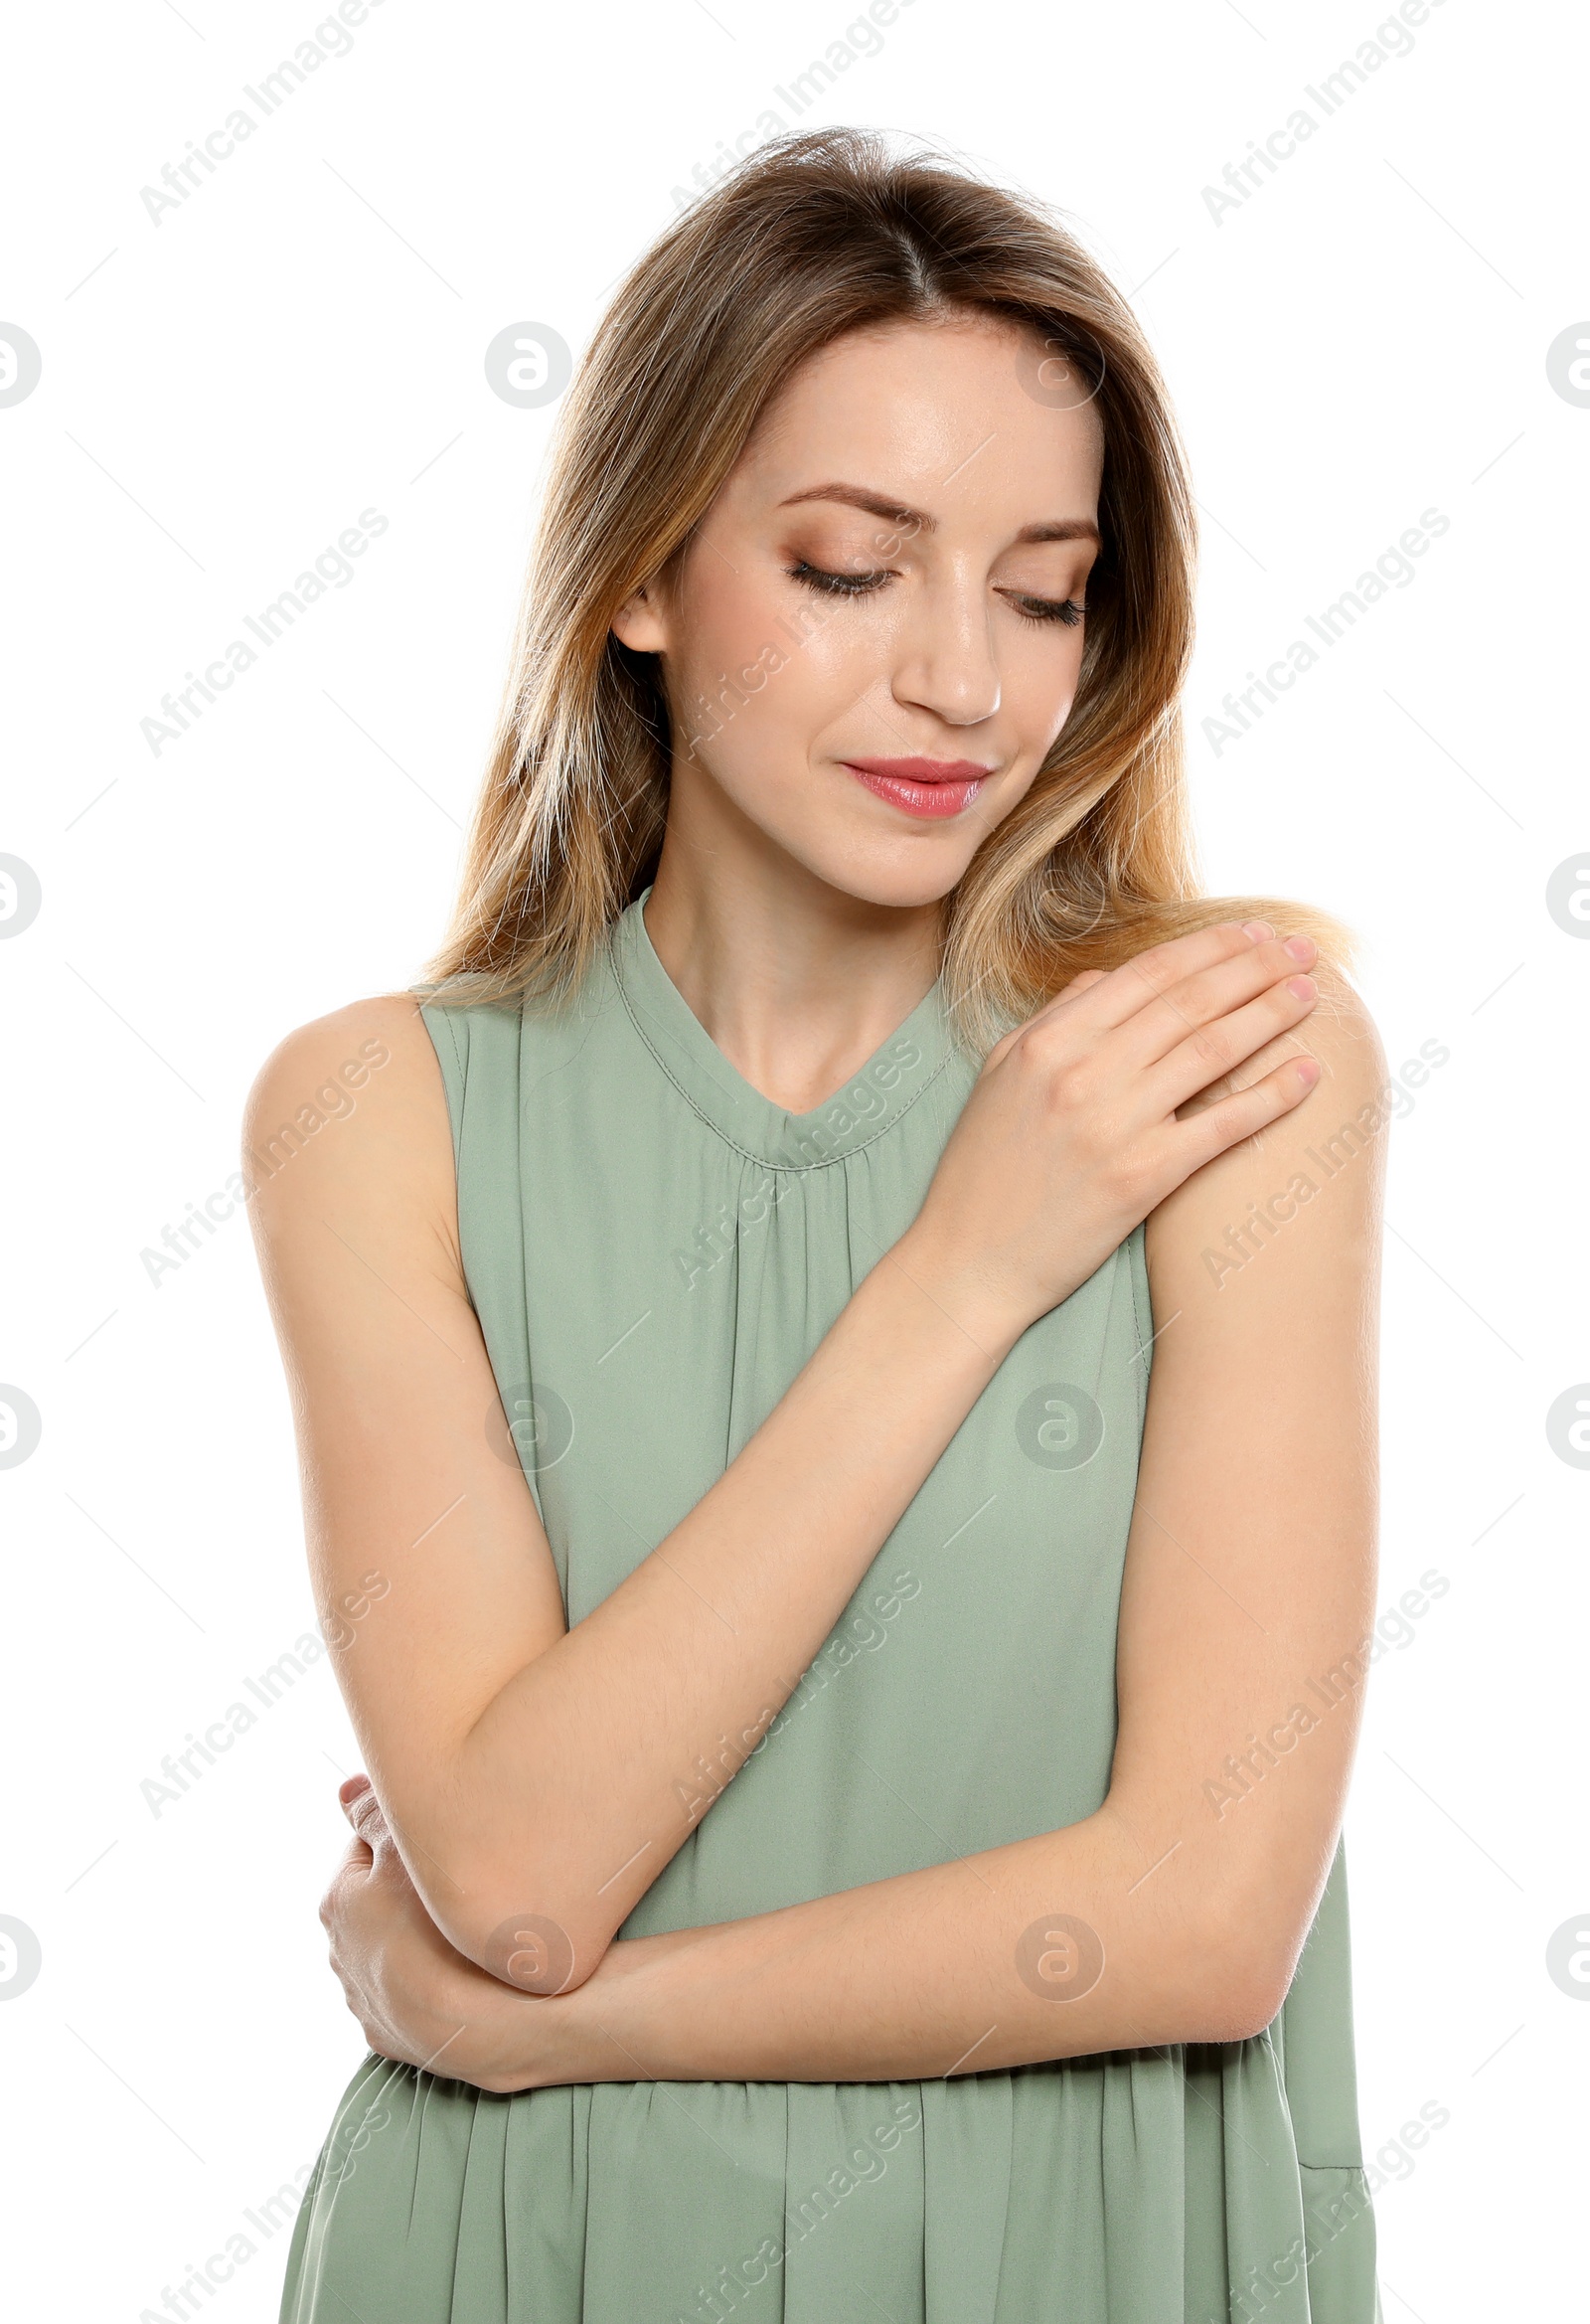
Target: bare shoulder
{"x": 1323, "y": 1162}
{"x": 1339, "y": 1033}
{"x": 350, "y": 1111}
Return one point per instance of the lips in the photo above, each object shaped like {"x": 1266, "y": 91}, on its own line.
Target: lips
{"x": 929, "y": 788}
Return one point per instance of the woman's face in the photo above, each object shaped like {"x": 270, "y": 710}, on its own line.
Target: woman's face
{"x": 874, "y": 638}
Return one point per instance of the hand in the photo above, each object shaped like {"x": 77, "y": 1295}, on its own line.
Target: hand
{"x": 415, "y": 1998}
{"x": 424, "y": 2004}
{"x": 1070, "y": 1136}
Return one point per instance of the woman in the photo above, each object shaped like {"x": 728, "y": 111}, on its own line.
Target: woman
{"x": 721, "y": 1340}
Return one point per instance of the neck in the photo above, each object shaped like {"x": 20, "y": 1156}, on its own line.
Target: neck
{"x": 797, "y": 982}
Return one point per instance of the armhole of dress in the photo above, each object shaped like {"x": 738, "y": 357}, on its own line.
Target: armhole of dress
{"x": 493, "y": 1267}
{"x": 1142, "y": 1313}
{"x": 452, "y": 1058}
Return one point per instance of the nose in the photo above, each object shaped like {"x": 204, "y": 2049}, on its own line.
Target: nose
{"x": 946, "y": 658}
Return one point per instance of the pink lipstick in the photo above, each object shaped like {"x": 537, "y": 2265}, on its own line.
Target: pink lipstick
{"x": 927, "y": 787}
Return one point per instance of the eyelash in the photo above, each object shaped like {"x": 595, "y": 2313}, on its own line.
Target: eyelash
{"x": 865, "y": 584}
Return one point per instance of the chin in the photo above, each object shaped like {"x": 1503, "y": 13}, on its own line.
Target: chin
{"x": 898, "y": 877}
{"x": 840, "y": 836}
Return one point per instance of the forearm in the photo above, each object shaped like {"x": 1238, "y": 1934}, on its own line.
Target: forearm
{"x": 588, "y": 1769}
{"x": 1046, "y": 1948}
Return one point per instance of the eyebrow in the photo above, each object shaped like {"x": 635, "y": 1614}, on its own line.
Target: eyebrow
{"x": 879, "y": 504}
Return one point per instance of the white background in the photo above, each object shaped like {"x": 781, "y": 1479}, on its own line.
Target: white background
{"x": 1363, "y": 338}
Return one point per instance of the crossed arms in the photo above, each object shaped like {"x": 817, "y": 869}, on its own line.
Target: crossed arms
{"x": 521, "y": 1773}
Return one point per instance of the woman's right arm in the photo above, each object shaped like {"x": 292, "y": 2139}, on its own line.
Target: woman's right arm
{"x": 533, "y": 1776}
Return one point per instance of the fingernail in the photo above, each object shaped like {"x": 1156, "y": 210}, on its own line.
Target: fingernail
{"x": 1300, "y": 947}
{"x": 1301, "y": 986}
{"x": 1258, "y": 929}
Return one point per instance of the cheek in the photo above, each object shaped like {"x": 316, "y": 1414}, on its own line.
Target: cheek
{"x": 728, "y": 623}
{"x": 1038, "y": 682}
{"x": 733, "y": 644}
{"x": 764, "y": 662}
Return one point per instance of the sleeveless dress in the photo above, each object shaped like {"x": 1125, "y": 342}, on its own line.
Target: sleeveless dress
{"x": 654, "y": 1250}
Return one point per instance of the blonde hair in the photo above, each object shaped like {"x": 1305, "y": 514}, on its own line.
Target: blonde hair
{"x": 815, "y": 235}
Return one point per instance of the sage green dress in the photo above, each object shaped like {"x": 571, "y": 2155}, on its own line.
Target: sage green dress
{"x": 654, "y": 1250}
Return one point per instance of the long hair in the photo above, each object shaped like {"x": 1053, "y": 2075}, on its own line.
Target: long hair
{"x": 814, "y": 236}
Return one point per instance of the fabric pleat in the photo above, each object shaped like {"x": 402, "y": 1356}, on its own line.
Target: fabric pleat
{"x": 654, "y": 1250}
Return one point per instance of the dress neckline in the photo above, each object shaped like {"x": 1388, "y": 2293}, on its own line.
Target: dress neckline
{"x": 878, "y": 1096}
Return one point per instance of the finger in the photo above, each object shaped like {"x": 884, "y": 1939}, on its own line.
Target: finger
{"x": 349, "y": 1791}
{"x": 1213, "y": 1050}
{"x": 334, "y": 1903}
{"x": 1122, "y": 991}
{"x": 342, "y": 1892}
{"x": 368, "y": 1820}
{"x": 1224, "y": 1124}
{"x": 1166, "y": 1019}
{"x": 1083, "y": 981}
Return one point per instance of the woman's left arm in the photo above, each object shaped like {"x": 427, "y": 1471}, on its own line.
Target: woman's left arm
{"x": 1177, "y": 1911}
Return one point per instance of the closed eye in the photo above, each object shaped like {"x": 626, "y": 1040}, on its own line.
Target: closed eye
{"x": 837, "y": 584}
{"x": 865, "y": 584}
{"x": 1030, "y": 609}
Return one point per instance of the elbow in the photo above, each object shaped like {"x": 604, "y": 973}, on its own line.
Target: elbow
{"x": 1244, "y": 1967}
{"x": 1235, "y": 2008}
{"x": 546, "y": 1945}
{"x": 544, "y": 1953}
{"x": 536, "y": 1953}
{"x": 539, "y": 1918}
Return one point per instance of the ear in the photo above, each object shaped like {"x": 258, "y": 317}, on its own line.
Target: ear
{"x": 639, "y": 624}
